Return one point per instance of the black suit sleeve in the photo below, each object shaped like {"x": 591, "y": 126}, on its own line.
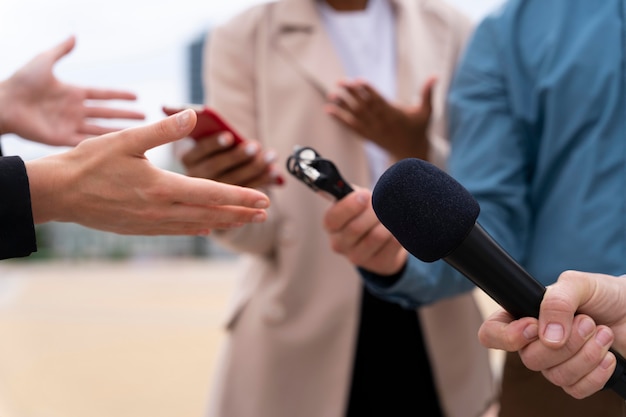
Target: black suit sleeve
{"x": 17, "y": 229}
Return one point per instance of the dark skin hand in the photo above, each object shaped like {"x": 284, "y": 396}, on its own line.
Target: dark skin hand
{"x": 401, "y": 130}
{"x": 246, "y": 164}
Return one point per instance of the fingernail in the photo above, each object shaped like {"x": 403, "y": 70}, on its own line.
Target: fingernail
{"x": 604, "y": 337}
{"x": 225, "y": 139}
{"x": 586, "y": 327}
{"x": 251, "y": 149}
{"x": 270, "y": 156}
{"x": 531, "y": 332}
{"x": 607, "y": 361}
{"x": 183, "y": 118}
{"x": 361, "y": 199}
{"x": 259, "y": 218}
{"x": 554, "y": 332}
{"x": 262, "y": 204}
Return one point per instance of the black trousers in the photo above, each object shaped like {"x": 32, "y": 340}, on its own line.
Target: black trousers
{"x": 392, "y": 376}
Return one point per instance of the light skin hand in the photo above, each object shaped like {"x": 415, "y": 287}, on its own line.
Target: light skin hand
{"x": 107, "y": 183}
{"x": 355, "y": 232}
{"x": 245, "y": 164}
{"x": 565, "y": 344}
{"x": 39, "y": 107}
{"x": 401, "y": 130}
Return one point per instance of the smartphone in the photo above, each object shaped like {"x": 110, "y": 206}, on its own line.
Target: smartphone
{"x": 209, "y": 121}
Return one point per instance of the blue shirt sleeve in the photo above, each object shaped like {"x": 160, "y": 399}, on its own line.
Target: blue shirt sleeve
{"x": 419, "y": 284}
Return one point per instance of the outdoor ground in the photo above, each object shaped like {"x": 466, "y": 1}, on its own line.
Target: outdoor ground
{"x": 126, "y": 339}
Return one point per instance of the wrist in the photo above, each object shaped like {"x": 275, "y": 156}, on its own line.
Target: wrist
{"x": 50, "y": 188}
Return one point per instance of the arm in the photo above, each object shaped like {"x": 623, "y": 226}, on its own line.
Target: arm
{"x": 388, "y": 271}
{"x": 489, "y": 147}
{"x": 107, "y": 183}
{"x": 565, "y": 343}
{"x": 37, "y": 106}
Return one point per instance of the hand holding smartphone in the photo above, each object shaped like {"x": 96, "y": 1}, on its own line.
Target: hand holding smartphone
{"x": 209, "y": 122}
{"x": 246, "y": 165}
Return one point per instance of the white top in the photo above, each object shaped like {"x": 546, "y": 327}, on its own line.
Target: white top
{"x": 366, "y": 44}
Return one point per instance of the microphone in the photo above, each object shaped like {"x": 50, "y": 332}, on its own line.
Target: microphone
{"x": 434, "y": 217}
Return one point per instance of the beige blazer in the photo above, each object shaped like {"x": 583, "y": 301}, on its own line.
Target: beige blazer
{"x": 293, "y": 318}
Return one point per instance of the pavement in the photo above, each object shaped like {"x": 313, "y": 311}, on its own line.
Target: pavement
{"x": 116, "y": 339}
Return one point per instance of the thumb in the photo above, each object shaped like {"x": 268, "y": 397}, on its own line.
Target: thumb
{"x": 168, "y": 130}
{"x": 63, "y": 48}
{"x": 559, "y": 306}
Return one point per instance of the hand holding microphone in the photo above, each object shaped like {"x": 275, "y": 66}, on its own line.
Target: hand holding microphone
{"x": 434, "y": 217}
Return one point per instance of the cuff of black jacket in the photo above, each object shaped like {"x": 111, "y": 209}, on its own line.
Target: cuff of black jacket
{"x": 17, "y": 228}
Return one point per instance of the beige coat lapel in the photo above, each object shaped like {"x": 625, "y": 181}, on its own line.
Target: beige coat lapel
{"x": 300, "y": 36}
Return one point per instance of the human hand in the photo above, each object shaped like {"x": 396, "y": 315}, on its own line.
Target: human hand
{"x": 355, "y": 232}
{"x": 35, "y": 105}
{"x": 565, "y": 343}
{"x": 401, "y": 130}
{"x": 107, "y": 183}
{"x": 217, "y": 157}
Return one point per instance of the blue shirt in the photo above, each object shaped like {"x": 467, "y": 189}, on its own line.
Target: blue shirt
{"x": 537, "y": 115}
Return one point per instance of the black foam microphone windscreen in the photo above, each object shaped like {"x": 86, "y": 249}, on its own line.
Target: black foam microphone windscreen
{"x": 439, "y": 210}
{"x": 434, "y": 217}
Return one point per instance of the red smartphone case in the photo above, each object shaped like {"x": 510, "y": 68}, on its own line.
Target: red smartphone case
{"x": 209, "y": 122}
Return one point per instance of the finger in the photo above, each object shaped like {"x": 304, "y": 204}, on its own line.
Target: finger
{"x": 541, "y": 356}
{"x": 63, "y": 48}
{"x": 201, "y": 150}
{"x": 358, "y": 95}
{"x": 375, "y": 239}
{"x": 363, "y": 104}
{"x": 231, "y": 165}
{"x": 107, "y": 94}
{"x": 165, "y": 131}
{"x": 595, "y": 380}
{"x": 346, "y": 210}
{"x": 96, "y": 130}
{"x": 584, "y": 362}
{"x": 357, "y": 238}
{"x": 376, "y": 103}
{"x": 501, "y": 331}
{"x": 427, "y": 94}
{"x": 111, "y": 113}
{"x": 180, "y": 219}
{"x": 203, "y": 192}
{"x": 559, "y": 304}
{"x": 345, "y": 117}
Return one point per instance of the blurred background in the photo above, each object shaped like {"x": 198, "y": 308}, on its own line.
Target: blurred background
{"x": 96, "y": 323}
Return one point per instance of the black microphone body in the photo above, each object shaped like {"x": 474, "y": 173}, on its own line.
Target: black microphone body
{"x": 495, "y": 272}
{"x": 434, "y": 217}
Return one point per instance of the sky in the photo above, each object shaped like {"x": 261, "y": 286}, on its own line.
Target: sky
{"x": 135, "y": 45}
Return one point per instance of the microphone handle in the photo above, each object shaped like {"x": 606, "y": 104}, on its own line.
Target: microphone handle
{"x": 483, "y": 261}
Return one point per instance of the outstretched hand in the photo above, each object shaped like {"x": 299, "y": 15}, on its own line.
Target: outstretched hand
{"x": 37, "y": 106}
{"x": 107, "y": 183}
{"x": 401, "y": 130}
